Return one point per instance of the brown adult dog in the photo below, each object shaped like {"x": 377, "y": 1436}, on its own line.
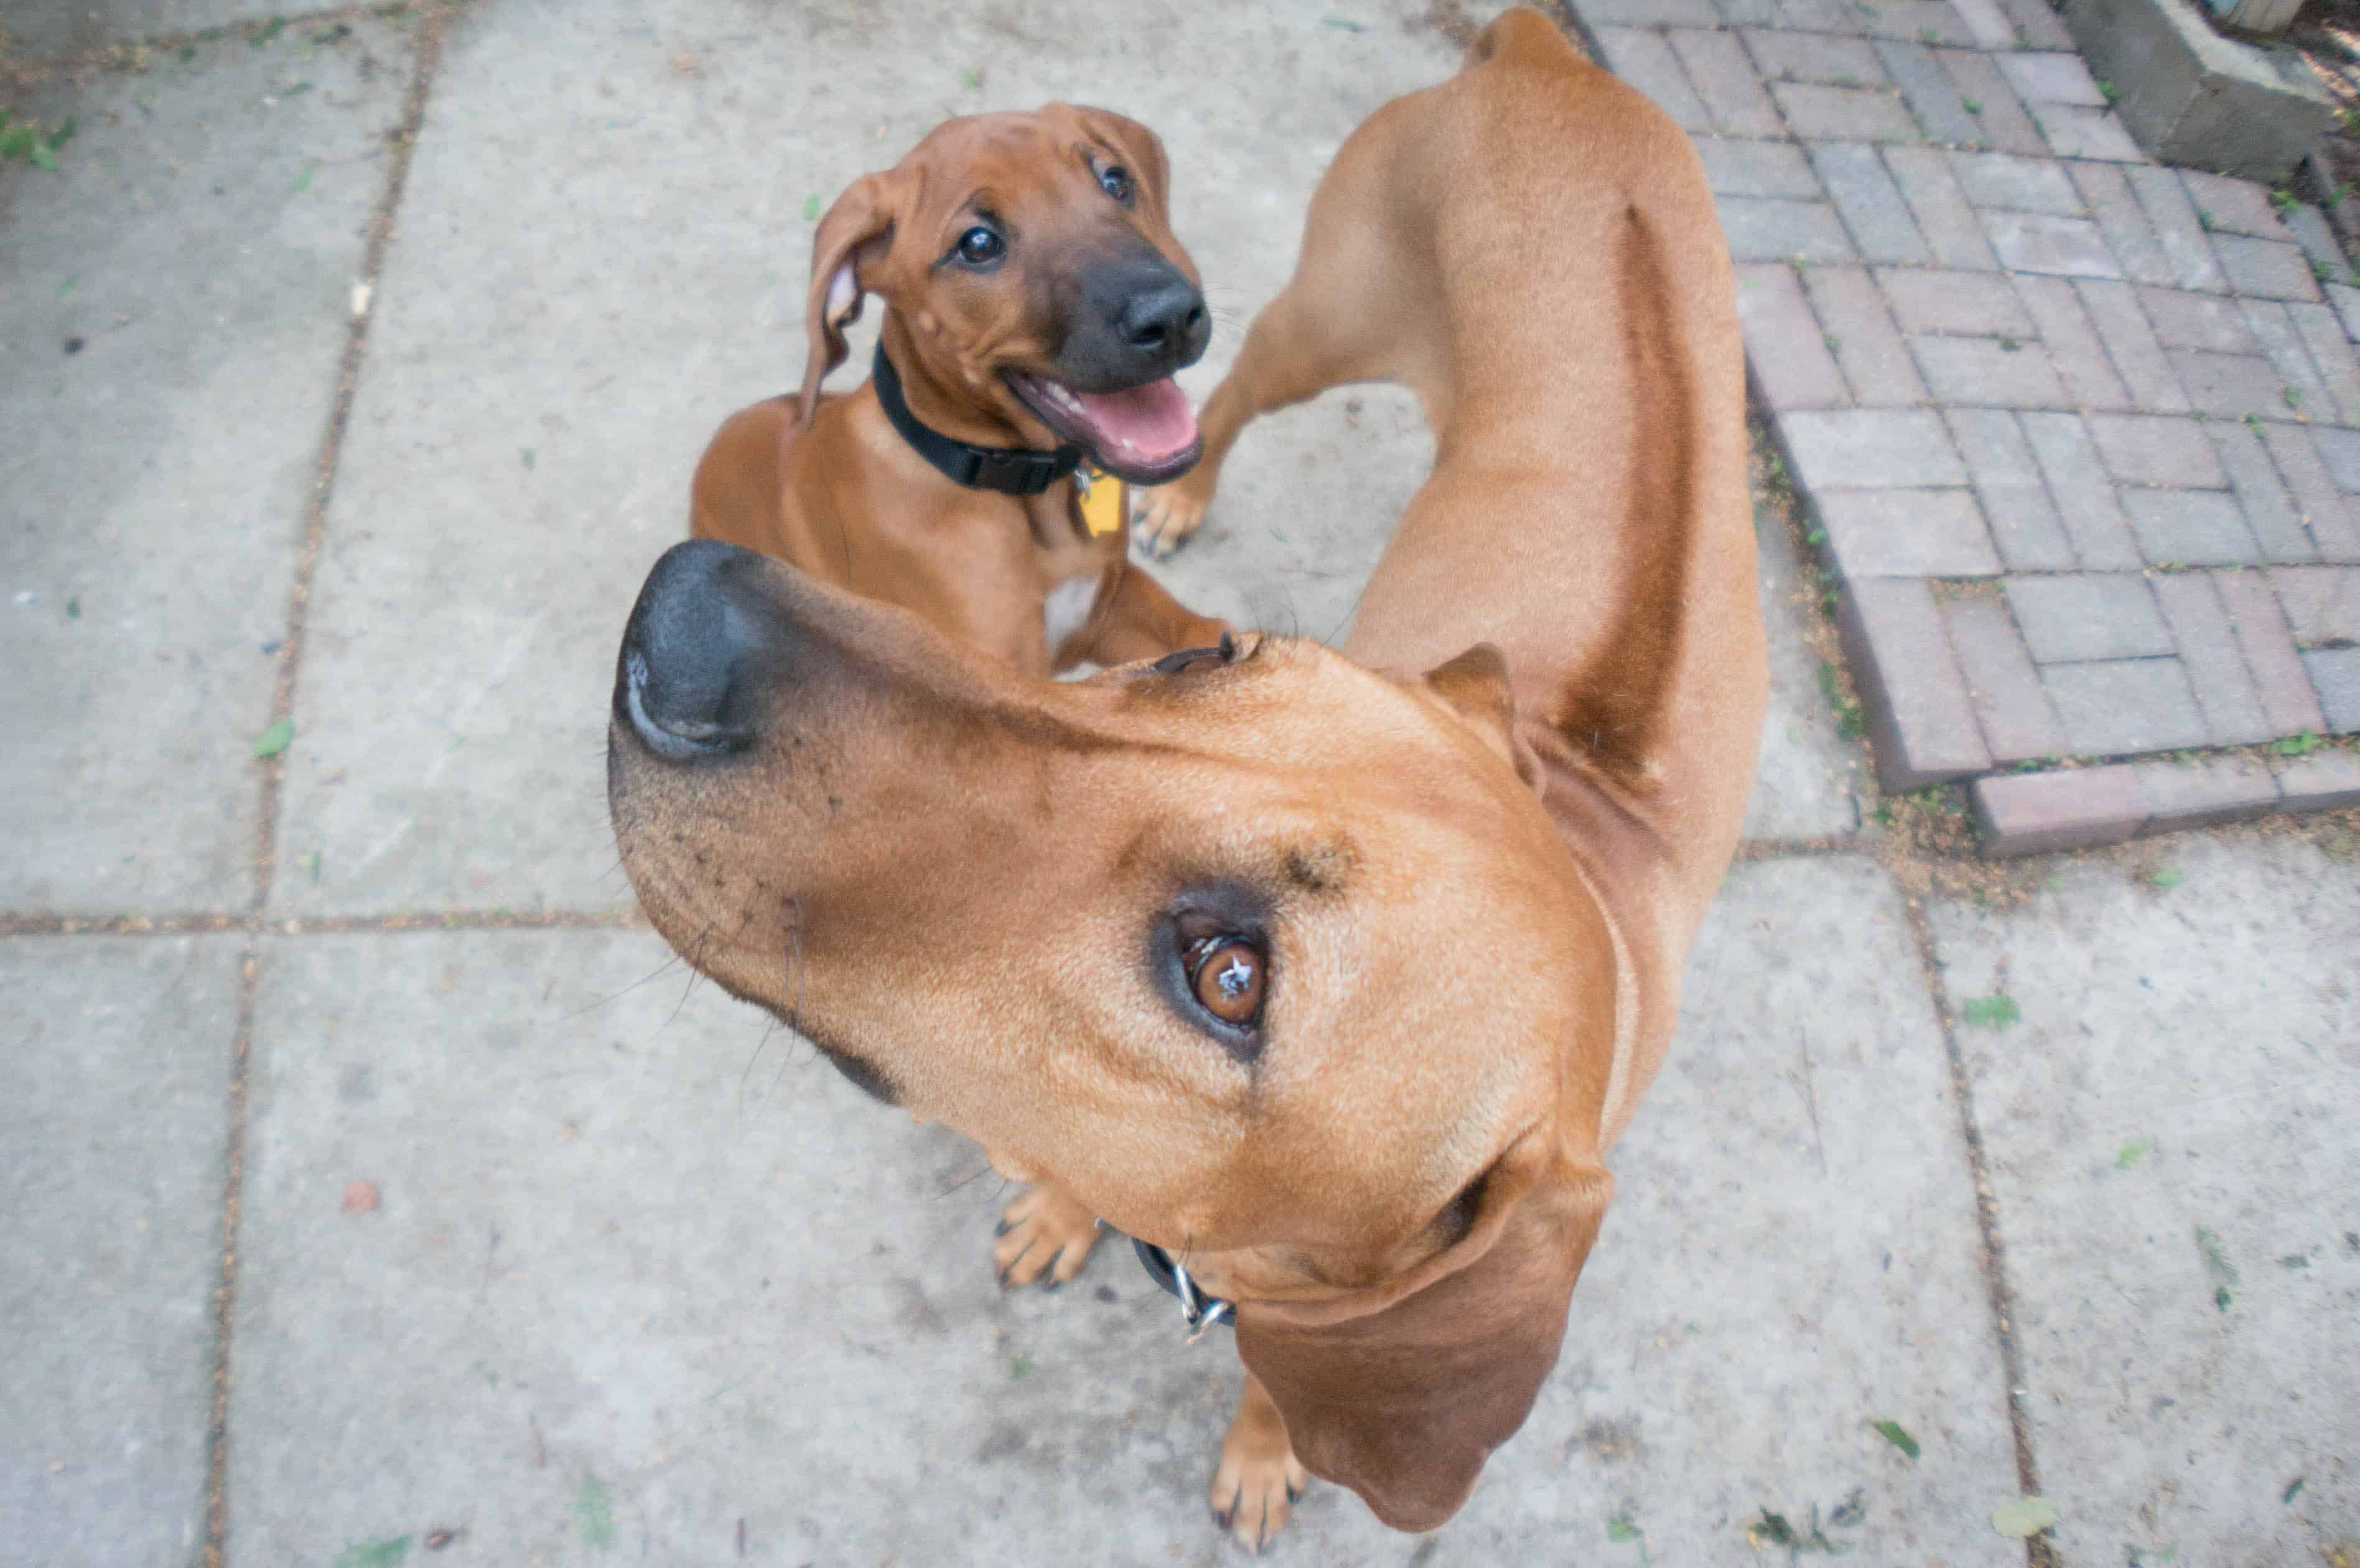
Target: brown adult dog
{"x": 1034, "y": 299}
{"x": 1337, "y": 979}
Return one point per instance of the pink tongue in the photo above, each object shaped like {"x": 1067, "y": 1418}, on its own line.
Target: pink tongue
{"x": 1146, "y": 423}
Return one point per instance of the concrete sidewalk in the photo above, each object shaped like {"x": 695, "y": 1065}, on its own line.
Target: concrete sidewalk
{"x": 374, "y": 1189}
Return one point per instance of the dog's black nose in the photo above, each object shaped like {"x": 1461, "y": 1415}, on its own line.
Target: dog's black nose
{"x": 1167, "y": 320}
{"x": 703, "y": 634}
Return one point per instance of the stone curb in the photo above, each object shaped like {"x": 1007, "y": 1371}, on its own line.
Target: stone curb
{"x": 2084, "y": 808}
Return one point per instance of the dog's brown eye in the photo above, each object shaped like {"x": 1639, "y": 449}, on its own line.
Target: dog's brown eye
{"x": 1115, "y": 180}
{"x": 1227, "y": 978}
{"x": 979, "y": 245}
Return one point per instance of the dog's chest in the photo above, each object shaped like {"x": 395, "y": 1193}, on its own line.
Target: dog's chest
{"x": 1066, "y": 609}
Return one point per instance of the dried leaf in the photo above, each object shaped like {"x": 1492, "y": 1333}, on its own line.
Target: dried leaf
{"x": 2024, "y": 1518}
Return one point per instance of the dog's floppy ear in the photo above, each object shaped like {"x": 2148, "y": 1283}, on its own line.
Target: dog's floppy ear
{"x": 1403, "y": 1405}
{"x": 1475, "y": 686}
{"x": 858, "y": 230}
{"x": 1141, "y": 151}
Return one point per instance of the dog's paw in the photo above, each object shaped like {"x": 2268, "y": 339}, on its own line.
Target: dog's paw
{"x": 1043, "y": 1235}
{"x": 1259, "y": 1479}
{"x": 1169, "y": 516}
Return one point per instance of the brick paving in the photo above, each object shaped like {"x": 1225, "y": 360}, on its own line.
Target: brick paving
{"x": 2080, "y": 433}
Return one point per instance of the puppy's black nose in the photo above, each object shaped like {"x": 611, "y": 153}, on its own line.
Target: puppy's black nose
{"x": 700, "y": 642}
{"x": 1168, "y": 321}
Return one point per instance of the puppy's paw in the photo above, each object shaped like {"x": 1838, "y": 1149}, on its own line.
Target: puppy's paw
{"x": 1259, "y": 1479}
{"x": 1043, "y": 1235}
{"x": 1168, "y": 516}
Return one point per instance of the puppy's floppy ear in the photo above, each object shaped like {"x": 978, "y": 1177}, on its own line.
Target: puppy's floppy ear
{"x": 856, "y": 232}
{"x": 1475, "y": 686}
{"x": 1403, "y": 1405}
{"x": 1141, "y": 151}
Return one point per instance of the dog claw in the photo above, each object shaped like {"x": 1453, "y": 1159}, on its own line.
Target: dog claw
{"x": 1000, "y": 1230}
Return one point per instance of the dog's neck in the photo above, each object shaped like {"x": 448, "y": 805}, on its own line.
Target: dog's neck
{"x": 941, "y": 409}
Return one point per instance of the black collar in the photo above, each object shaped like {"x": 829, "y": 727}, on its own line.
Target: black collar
{"x": 1198, "y": 1311}
{"x": 1011, "y": 470}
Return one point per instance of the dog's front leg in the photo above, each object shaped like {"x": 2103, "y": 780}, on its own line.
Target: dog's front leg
{"x": 1259, "y": 1479}
{"x": 1140, "y": 620}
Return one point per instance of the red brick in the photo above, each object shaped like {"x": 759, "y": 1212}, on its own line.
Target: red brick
{"x": 2114, "y": 707}
{"x": 2269, "y": 512}
{"x": 2206, "y": 322}
{"x": 2232, "y": 386}
{"x": 1926, "y": 300}
{"x": 1814, "y": 57}
{"x": 2322, "y": 333}
{"x": 2023, "y": 520}
{"x": 2074, "y": 345}
{"x": 2123, "y": 223}
{"x": 2273, "y": 328}
{"x": 2185, "y": 244}
{"x": 2080, "y": 808}
{"x": 1647, "y": 62}
{"x": 2233, "y": 206}
{"x": 2086, "y": 504}
{"x": 1866, "y": 345}
{"x": 2327, "y": 780}
{"x": 1784, "y": 345}
{"x": 1843, "y": 114}
{"x": 2205, "y": 792}
{"x": 1920, "y": 719}
{"x": 2278, "y": 670}
{"x": 2114, "y": 308}
{"x": 2149, "y": 449}
{"x": 2208, "y": 649}
{"x": 2018, "y": 722}
{"x": 1906, "y": 533}
{"x": 2317, "y": 500}
{"x": 2322, "y": 603}
{"x": 1940, "y": 207}
{"x": 1725, "y": 80}
{"x": 2275, "y": 270}
{"x": 2003, "y": 123}
{"x": 1988, "y": 372}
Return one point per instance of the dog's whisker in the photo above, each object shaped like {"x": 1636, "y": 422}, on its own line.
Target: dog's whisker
{"x": 983, "y": 1170}
{"x": 655, "y": 973}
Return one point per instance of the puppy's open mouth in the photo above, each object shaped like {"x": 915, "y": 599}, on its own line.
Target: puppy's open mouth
{"x": 1146, "y": 434}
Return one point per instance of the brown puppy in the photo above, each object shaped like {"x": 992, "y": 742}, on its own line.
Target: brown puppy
{"x": 1036, "y": 307}
{"x": 1336, "y": 978}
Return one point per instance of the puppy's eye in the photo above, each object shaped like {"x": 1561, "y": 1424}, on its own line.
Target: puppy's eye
{"x": 978, "y": 246}
{"x": 1226, "y": 973}
{"x": 1115, "y": 180}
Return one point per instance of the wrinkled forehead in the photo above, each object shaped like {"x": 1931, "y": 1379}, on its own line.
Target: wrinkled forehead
{"x": 1007, "y": 155}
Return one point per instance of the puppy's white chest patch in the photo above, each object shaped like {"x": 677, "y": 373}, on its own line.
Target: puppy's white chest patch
{"x": 1068, "y": 607}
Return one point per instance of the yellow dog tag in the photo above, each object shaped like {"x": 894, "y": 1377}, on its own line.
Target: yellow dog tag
{"x": 1102, "y": 502}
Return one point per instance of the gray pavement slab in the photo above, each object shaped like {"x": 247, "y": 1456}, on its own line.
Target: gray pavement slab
{"x": 603, "y": 253}
{"x": 46, "y": 29}
{"x": 1810, "y": 779}
{"x": 640, "y": 1268}
{"x": 114, "y": 1143}
{"x": 195, "y": 250}
{"x": 2168, "y": 1129}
